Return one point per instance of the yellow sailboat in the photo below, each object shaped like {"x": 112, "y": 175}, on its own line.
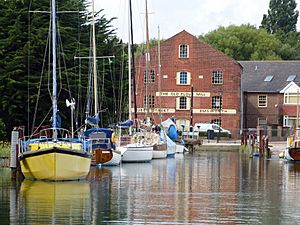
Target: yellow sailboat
{"x": 55, "y": 154}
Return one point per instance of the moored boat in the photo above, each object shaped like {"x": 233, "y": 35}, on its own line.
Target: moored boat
{"x": 55, "y": 154}
{"x": 292, "y": 151}
{"x": 160, "y": 150}
{"x": 53, "y": 158}
{"x": 138, "y": 152}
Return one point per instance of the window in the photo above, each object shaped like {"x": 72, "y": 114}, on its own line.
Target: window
{"x": 151, "y": 76}
{"x": 217, "y": 121}
{"x": 291, "y": 98}
{"x": 262, "y": 121}
{"x": 184, "y": 51}
{"x": 217, "y": 77}
{"x": 183, "y": 78}
{"x": 216, "y": 102}
{"x": 149, "y": 102}
{"x": 291, "y": 78}
{"x": 289, "y": 121}
{"x": 269, "y": 78}
{"x": 262, "y": 101}
{"x": 183, "y": 103}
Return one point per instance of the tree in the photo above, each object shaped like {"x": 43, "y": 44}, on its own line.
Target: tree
{"x": 246, "y": 42}
{"x": 25, "y": 54}
{"x": 281, "y": 16}
{"x": 2, "y": 131}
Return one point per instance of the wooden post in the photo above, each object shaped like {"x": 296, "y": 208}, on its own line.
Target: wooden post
{"x": 260, "y": 143}
{"x": 267, "y": 146}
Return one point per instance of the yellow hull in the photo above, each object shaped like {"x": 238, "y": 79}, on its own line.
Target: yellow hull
{"x": 55, "y": 164}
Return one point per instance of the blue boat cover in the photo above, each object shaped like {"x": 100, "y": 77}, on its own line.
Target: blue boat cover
{"x": 126, "y": 123}
{"x": 107, "y": 131}
{"x": 172, "y": 132}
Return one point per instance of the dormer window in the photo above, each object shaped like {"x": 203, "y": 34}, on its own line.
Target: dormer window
{"x": 269, "y": 78}
{"x": 184, "y": 51}
{"x": 291, "y": 78}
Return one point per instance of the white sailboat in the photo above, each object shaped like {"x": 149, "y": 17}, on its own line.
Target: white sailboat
{"x": 55, "y": 154}
{"x": 160, "y": 148}
{"x": 138, "y": 151}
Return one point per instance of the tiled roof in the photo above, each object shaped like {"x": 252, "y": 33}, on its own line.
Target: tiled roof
{"x": 255, "y": 72}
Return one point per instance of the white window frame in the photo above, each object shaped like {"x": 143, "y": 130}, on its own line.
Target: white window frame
{"x": 262, "y": 103}
{"x": 216, "y": 102}
{"x": 183, "y": 52}
{"x": 288, "y": 96}
{"x": 179, "y": 103}
{"x": 289, "y": 121}
{"x": 188, "y": 78}
{"x": 217, "y": 77}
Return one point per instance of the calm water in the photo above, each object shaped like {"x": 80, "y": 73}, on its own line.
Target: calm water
{"x": 204, "y": 188}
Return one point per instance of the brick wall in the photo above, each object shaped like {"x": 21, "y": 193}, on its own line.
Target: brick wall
{"x": 202, "y": 61}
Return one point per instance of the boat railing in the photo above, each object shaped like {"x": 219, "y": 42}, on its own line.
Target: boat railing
{"x": 47, "y": 137}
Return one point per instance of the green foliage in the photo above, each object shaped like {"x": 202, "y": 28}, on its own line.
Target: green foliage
{"x": 216, "y": 133}
{"x": 4, "y": 150}
{"x": 2, "y": 131}
{"x": 25, "y": 53}
{"x": 282, "y": 16}
{"x": 141, "y": 48}
{"x": 246, "y": 42}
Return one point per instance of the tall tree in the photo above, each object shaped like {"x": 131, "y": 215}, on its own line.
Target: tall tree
{"x": 246, "y": 42}
{"x": 24, "y": 54}
{"x": 282, "y": 15}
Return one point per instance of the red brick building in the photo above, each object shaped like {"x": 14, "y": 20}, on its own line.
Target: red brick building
{"x": 270, "y": 95}
{"x": 197, "y": 82}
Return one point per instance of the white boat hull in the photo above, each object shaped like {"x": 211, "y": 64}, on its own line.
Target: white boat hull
{"x": 138, "y": 153}
{"x": 171, "y": 150}
{"x": 160, "y": 151}
{"x": 179, "y": 148}
{"x": 116, "y": 159}
{"x": 159, "y": 154}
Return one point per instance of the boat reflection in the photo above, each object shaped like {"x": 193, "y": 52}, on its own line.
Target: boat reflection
{"x": 54, "y": 202}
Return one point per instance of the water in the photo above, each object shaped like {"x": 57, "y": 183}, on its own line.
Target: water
{"x": 204, "y": 188}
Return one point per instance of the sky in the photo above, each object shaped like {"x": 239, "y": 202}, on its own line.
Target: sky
{"x": 172, "y": 16}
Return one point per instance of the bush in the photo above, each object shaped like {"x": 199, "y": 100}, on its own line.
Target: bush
{"x": 2, "y": 130}
{"x": 216, "y": 133}
{"x": 4, "y": 150}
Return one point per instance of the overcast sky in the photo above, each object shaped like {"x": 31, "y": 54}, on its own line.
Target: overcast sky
{"x": 172, "y": 16}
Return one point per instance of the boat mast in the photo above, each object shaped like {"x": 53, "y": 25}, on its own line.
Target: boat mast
{"x": 94, "y": 60}
{"x": 54, "y": 91}
{"x": 159, "y": 75}
{"x": 133, "y": 67}
{"x": 147, "y": 55}
{"x": 129, "y": 68}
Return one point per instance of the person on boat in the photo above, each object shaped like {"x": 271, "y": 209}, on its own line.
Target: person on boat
{"x": 157, "y": 129}
{"x": 113, "y": 140}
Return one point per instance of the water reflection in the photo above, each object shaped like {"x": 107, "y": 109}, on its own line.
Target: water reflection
{"x": 53, "y": 202}
{"x": 204, "y": 188}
